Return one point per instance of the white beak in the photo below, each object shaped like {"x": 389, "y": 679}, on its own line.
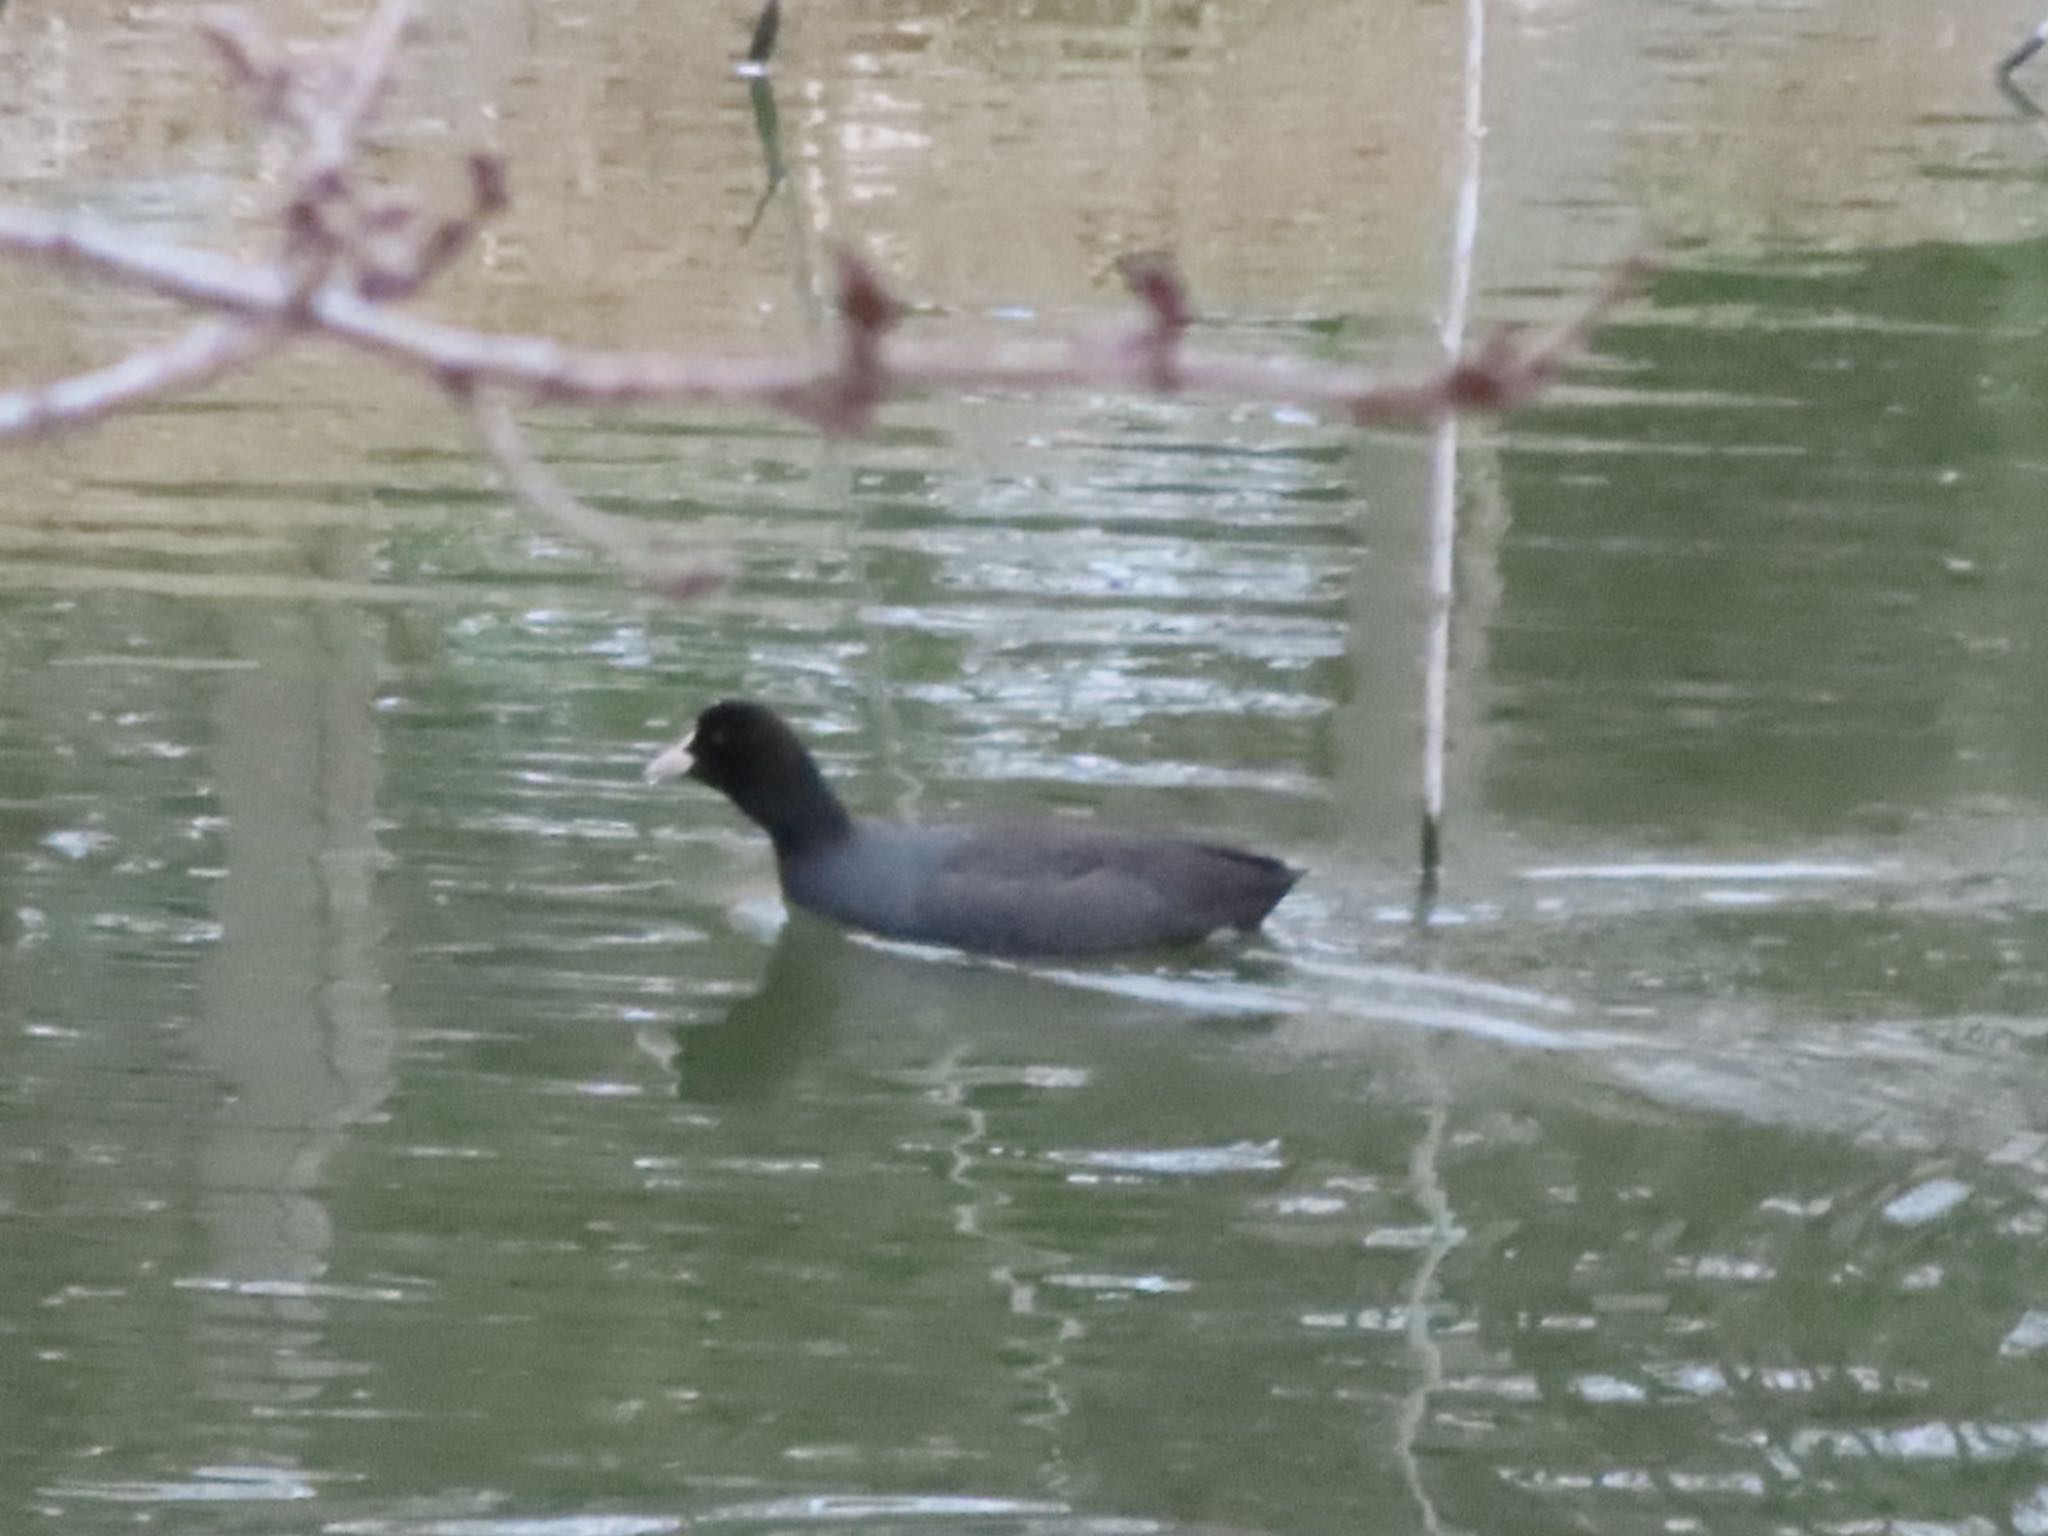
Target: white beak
{"x": 672, "y": 764}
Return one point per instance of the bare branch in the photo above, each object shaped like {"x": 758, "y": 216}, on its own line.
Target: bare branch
{"x": 654, "y": 560}
{"x": 839, "y": 399}
{"x": 375, "y": 53}
{"x": 348, "y": 251}
{"x": 206, "y": 351}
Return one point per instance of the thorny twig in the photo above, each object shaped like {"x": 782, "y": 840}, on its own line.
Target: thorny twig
{"x": 349, "y": 251}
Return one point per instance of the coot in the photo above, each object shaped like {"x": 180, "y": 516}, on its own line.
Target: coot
{"x": 1000, "y": 888}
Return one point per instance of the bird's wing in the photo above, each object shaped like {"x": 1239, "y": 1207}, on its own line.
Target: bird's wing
{"x": 1024, "y": 891}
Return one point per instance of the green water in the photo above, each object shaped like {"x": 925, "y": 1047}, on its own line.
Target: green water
{"x": 410, "y": 1122}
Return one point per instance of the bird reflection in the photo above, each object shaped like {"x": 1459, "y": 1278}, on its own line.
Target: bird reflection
{"x": 825, "y": 993}
{"x": 764, "y": 1036}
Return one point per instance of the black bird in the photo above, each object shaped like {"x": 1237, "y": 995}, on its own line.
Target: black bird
{"x": 1000, "y": 888}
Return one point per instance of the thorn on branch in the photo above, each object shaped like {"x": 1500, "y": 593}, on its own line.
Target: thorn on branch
{"x": 490, "y": 185}
{"x": 1502, "y": 373}
{"x": 1153, "y": 277}
{"x": 843, "y": 403}
{"x": 865, "y": 305}
{"x": 310, "y": 240}
{"x": 1498, "y": 374}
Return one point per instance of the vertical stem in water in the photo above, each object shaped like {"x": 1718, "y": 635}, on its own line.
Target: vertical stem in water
{"x": 1443, "y": 463}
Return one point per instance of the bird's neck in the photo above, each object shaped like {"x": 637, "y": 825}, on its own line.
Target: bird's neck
{"x": 807, "y": 815}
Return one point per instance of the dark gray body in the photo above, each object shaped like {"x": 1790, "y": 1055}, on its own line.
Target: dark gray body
{"x": 1032, "y": 887}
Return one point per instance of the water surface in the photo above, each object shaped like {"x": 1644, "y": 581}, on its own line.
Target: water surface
{"x": 410, "y": 1122}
